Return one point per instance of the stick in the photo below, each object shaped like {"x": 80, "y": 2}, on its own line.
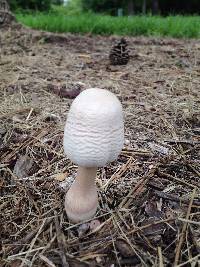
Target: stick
{"x": 47, "y": 261}
{"x": 194, "y": 170}
{"x": 33, "y": 243}
{"x": 189, "y": 221}
{"x": 192, "y": 143}
{"x": 182, "y": 235}
{"x": 170, "y": 177}
{"x": 138, "y": 187}
{"x": 193, "y": 237}
{"x": 137, "y": 229}
{"x": 189, "y": 261}
{"x": 24, "y": 253}
{"x": 61, "y": 243}
{"x": 161, "y": 264}
{"x": 28, "y": 237}
{"x": 174, "y": 198}
{"x": 118, "y": 174}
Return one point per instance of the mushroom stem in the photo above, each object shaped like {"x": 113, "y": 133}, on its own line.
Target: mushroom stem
{"x": 86, "y": 178}
{"x": 81, "y": 200}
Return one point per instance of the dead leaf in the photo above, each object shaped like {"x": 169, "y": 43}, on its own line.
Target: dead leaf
{"x": 124, "y": 249}
{"x": 63, "y": 91}
{"x": 153, "y": 229}
{"x": 156, "y": 148}
{"x": 61, "y": 176}
{"x": 151, "y": 209}
{"x": 71, "y": 94}
{"x": 23, "y": 166}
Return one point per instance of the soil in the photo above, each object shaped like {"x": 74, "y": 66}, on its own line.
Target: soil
{"x": 149, "y": 198}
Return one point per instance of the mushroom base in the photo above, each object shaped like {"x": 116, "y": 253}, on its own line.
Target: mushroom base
{"x": 81, "y": 200}
{"x": 79, "y": 215}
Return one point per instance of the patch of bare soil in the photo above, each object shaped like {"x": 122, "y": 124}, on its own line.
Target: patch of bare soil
{"x": 149, "y": 210}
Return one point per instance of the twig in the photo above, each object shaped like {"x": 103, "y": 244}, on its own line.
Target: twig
{"x": 182, "y": 235}
{"x": 161, "y": 264}
{"x": 192, "y": 143}
{"x": 138, "y": 187}
{"x": 115, "y": 251}
{"x": 189, "y": 221}
{"x": 188, "y": 261}
{"x": 47, "y": 261}
{"x": 133, "y": 152}
{"x": 129, "y": 242}
{"x": 194, "y": 170}
{"x": 119, "y": 173}
{"x": 174, "y": 198}
{"x": 29, "y": 114}
{"x": 24, "y": 253}
{"x": 137, "y": 229}
{"x": 170, "y": 177}
{"x": 87, "y": 221}
{"x": 33, "y": 243}
{"x": 19, "y": 111}
{"x": 28, "y": 237}
{"x": 195, "y": 243}
{"x": 28, "y": 142}
{"x": 61, "y": 243}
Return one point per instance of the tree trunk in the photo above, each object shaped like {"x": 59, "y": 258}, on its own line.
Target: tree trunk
{"x": 155, "y": 7}
{"x": 131, "y": 10}
{"x": 144, "y": 7}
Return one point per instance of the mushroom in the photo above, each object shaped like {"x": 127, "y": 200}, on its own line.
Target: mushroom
{"x": 93, "y": 137}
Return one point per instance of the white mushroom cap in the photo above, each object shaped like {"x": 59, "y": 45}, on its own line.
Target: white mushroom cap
{"x": 94, "y": 131}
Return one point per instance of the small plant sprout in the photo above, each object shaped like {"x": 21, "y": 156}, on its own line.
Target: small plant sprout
{"x": 93, "y": 137}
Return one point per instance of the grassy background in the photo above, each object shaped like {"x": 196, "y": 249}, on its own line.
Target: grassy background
{"x": 61, "y": 19}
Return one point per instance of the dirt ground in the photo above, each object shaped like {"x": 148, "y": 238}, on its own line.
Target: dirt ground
{"x": 149, "y": 198}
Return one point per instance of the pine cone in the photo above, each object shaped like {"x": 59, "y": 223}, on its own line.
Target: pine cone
{"x": 119, "y": 54}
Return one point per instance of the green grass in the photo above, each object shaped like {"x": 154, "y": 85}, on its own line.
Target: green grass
{"x": 60, "y": 20}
